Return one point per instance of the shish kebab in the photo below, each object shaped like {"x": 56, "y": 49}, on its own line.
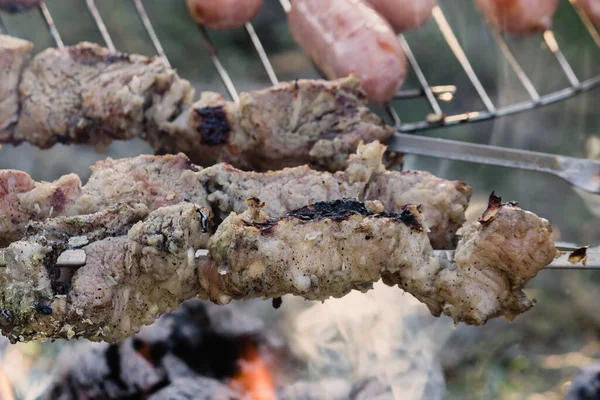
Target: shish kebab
{"x": 89, "y": 94}
{"x": 145, "y": 226}
{"x": 140, "y": 264}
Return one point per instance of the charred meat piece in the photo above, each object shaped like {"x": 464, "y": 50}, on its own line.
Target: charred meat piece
{"x": 365, "y": 178}
{"x": 88, "y": 94}
{"x": 319, "y": 251}
{"x": 156, "y": 181}
{"x": 292, "y": 123}
{"x": 327, "y": 249}
{"x": 15, "y": 6}
{"x": 13, "y": 56}
{"x": 149, "y": 180}
{"x": 494, "y": 259}
{"x": 128, "y": 279}
{"x": 444, "y": 202}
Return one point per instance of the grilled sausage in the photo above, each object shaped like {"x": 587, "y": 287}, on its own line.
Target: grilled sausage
{"x": 404, "y": 15}
{"x": 346, "y": 37}
{"x": 521, "y": 17}
{"x": 592, "y": 9}
{"x": 223, "y": 14}
{"x": 15, "y": 6}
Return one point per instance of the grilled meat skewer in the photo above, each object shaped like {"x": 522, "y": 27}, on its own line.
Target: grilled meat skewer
{"x": 156, "y": 181}
{"x": 321, "y": 251}
{"x": 88, "y": 94}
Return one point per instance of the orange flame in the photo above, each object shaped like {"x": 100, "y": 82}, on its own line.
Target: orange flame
{"x": 254, "y": 378}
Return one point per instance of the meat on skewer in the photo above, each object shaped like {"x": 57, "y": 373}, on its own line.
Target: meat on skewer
{"x": 320, "y": 251}
{"x": 13, "y": 57}
{"x": 156, "y": 181}
{"x": 88, "y": 94}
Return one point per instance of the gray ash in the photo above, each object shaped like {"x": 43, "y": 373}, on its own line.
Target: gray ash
{"x": 199, "y": 341}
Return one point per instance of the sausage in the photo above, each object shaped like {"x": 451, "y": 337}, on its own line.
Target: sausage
{"x": 346, "y": 37}
{"x": 520, "y": 17}
{"x": 223, "y": 14}
{"x": 404, "y": 15}
{"x": 592, "y": 9}
{"x": 15, "y": 6}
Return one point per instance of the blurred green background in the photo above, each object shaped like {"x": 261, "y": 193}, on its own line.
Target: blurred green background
{"x": 531, "y": 358}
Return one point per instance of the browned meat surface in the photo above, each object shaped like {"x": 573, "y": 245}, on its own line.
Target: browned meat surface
{"x": 149, "y": 180}
{"x": 156, "y": 181}
{"x": 88, "y": 94}
{"x": 292, "y": 123}
{"x": 495, "y": 258}
{"x": 127, "y": 282}
{"x": 13, "y": 56}
{"x": 444, "y": 202}
{"x": 317, "y": 252}
{"x": 15, "y": 6}
{"x": 22, "y": 199}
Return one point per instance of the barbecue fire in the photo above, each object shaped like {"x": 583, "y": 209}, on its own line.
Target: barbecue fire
{"x": 254, "y": 378}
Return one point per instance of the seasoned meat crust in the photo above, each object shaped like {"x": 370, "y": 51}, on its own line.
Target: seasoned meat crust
{"x": 13, "y": 56}
{"x": 292, "y": 123}
{"x": 128, "y": 281}
{"x": 88, "y": 94}
{"x": 319, "y": 251}
{"x": 156, "y": 181}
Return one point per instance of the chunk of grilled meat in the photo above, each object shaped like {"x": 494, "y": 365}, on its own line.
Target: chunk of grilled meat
{"x": 319, "y": 251}
{"x": 13, "y": 56}
{"x": 365, "y": 178}
{"x": 292, "y": 123}
{"x": 494, "y": 259}
{"x": 128, "y": 281}
{"x": 149, "y": 180}
{"x": 88, "y": 94}
{"x": 162, "y": 180}
{"x": 330, "y": 248}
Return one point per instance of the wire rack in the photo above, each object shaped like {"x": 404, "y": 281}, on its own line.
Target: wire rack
{"x": 568, "y": 168}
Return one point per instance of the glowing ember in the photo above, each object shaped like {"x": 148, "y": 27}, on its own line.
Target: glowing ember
{"x": 254, "y": 378}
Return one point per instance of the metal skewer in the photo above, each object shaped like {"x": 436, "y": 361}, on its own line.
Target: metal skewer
{"x": 583, "y": 173}
{"x": 566, "y": 259}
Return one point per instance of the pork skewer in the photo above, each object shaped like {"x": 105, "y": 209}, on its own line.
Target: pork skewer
{"x": 89, "y": 94}
{"x": 156, "y": 181}
{"x": 321, "y": 251}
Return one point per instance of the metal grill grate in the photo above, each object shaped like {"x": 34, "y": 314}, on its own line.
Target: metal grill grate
{"x": 584, "y": 174}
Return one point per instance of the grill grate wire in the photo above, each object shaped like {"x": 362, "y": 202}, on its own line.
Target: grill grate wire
{"x": 423, "y": 145}
{"x": 490, "y": 110}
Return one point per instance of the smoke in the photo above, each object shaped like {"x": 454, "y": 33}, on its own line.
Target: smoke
{"x": 384, "y": 339}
